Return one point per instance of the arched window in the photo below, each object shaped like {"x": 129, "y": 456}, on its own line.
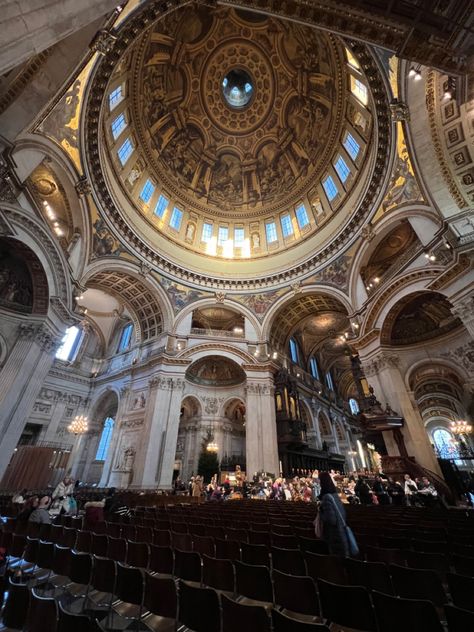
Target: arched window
{"x": 313, "y": 366}
{"x": 69, "y": 344}
{"x": 354, "y": 406}
{"x": 105, "y": 439}
{"x": 444, "y": 442}
{"x": 125, "y": 337}
{"x": 329, "y": 381}
{"x": 294, "y": 354}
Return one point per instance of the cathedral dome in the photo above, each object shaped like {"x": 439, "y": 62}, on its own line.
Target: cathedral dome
{"x": 238, "y": 137}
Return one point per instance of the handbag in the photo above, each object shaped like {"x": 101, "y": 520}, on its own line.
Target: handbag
{"x": 351, "y": 541}
{"x": 318, "y": 526}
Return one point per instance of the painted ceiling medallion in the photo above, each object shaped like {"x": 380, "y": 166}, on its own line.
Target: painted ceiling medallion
{"x": 237, "y": 88}
{"x": 237, "y": 118}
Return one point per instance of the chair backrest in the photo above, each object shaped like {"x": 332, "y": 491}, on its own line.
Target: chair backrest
{"x": 187, "y": 565}
{"x": 237, "y": 616}
{"x": 288, "y": 561}
{"x": 372, "y": 575}
{"x": 459, "y": 619}
{"x": 255, "y": 554}
{"x": 45, "y": 556}
{"x": 161, "y": 559}
{"x": 253, "y": 582}
{"x": 61, "y": 560}
{"x": 99, "y": 544}
{"x": 160, "y": 596}
{"x": 198, "y": 608}
{"x": 42, "y": 614}
{"x": 227, "y": 549}
{"x": 204, "y": 545}
{"x": 327, "y": 567}
{"x": 414, "y": 583}
{"x": 138, "y": 554}
{"x": 117, "y": 549}
{"x": 104, "y": 574}
{"x": 83, "y": 541}
{"x": 162, "y": 537}
{"x": 129, "y": 584}
{"x": 294, "y": 593}
{"x": 16, "y": 606}
{"x": 346, "y": 605}
{"x": 461, "y": 589}
{"x": 410, "y": 615}
{"x": 80, "y": 567}
{"x": 218, "y": 573}
{"x": 70, "y": 622}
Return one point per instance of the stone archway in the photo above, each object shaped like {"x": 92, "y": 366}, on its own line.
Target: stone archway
{"x": 97, "y": 446}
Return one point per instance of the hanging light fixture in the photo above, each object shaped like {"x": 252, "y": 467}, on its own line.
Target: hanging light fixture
{"x": 79, "y": 425}
{"x": 212, "y": 447}
{"x": 460, "y": 427}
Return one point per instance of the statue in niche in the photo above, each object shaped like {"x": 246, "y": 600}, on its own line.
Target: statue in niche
{"x": 139, "y": 402}
{"x": 190, "y": 231}
{"x": 129, "y": 458}
{"x": 255, "y": 241}
{"x": 279, "y": 402}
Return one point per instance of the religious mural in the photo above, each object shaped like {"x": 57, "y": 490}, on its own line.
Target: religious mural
{"x": 16, "y": 287}
{"x": 423, "y": 317}
{"x": 215, "y": 371}
{"x": 61, "y": 124}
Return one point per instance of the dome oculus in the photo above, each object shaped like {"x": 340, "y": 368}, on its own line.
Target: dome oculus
{"x": 237, "y": 88}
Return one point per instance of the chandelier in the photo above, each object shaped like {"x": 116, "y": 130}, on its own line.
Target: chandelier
{"x": 460, "y": 427}
{"x": 79, "y": 425}
{"x": 212, "y": 447}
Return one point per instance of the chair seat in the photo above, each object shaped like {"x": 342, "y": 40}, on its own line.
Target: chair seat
{"x": 155, "y": 623}
{"x": 254, "y": 602}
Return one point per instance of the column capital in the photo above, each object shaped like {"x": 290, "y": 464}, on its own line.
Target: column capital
{"x": 259, "y": 388}
{"x": 464, "y": 308}
{"x": 167, "y": 383}
{"x": 381, "y": 361}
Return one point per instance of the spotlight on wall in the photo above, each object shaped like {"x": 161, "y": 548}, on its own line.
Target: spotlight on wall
{"x": 449, "y": 87}
{"x": 415, "y": 72}
{"x": 275, "y": 355}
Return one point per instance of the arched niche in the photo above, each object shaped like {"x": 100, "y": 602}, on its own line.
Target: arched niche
{"x": 97, "y": 447}
{"x": 325, "y": 427}
{"x": 23, "y": 282}
{"x": 233, "y": 436}
{"x": 183, "y": 322}
{"x": 418, "y": 317}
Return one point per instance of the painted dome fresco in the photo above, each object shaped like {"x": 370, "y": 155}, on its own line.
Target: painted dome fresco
{"x": 235, "y": 136}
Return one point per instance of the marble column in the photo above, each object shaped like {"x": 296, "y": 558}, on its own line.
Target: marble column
{"x": 334, "y": 435}
{"x": 61, "y": 401}
{"x": 261, "y": 443}
{"x": 156, "y": 452}
{"x": 464, "y": 309}
{"x": 113, "y": 447}
{"x": 315, "y": 408}
{"x": 21, "y": 378}
{"x": 385, "y": 367}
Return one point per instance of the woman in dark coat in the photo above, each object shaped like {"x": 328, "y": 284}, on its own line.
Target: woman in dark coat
{"x": 333, "y": 516}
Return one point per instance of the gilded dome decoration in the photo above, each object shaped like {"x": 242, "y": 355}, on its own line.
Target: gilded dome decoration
{"x": 236, "y": 137}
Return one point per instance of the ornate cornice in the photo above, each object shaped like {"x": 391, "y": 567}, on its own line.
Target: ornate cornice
{"x": 447, "y": 277}
{"x": 438, "y": 147}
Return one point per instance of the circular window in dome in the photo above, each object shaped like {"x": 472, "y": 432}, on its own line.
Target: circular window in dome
{"x": 237, "y": 88}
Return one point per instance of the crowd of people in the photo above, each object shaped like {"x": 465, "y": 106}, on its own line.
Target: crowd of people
{"x": 44, "y": 508}
{"x": 364, "y": 488}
